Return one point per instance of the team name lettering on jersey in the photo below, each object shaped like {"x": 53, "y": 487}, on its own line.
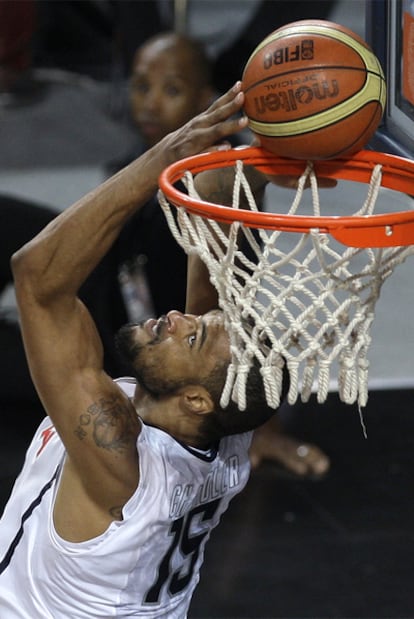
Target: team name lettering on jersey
{"x": 223, "y": 477}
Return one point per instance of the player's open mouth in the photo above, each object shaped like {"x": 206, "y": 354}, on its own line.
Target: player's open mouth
{"x": 154, "y": 327}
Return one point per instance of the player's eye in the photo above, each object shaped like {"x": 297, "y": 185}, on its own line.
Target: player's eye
{"x": 139, "y": 86}
{"x": 191, "y": 340}
{"x": 172, "y": 91}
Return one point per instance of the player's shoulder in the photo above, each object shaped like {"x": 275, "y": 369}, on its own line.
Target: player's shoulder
{"x": 240, "y": 441}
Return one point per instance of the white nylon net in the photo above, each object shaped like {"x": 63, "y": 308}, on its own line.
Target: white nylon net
{"x": 302, "y": 308}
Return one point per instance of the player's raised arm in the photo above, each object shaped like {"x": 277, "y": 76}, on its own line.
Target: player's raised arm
{"x": 63, "y": 349}
{"x": 216, "y": 186}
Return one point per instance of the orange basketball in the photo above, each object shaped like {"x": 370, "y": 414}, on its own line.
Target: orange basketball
{"x": 314, "y": 90}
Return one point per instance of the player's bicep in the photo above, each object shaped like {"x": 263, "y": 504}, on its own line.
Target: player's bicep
{"x": 60, "y": 342}
{"x": 94, "y": 418}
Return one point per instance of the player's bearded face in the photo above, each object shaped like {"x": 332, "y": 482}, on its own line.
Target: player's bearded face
{"x": 134, "y": 358}
{"x": 173, "y": 351}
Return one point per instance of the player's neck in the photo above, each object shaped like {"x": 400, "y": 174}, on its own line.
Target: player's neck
{"x": 167, "y": 415}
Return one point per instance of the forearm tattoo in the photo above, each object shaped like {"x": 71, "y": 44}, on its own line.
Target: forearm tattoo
{"x": 111, "y": 424}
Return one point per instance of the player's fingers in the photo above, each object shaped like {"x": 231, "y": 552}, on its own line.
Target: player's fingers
{"x": 227, "y": 104}
{"x": 223, "y": 116}
{"x": 223, "y": 145}
{"x": 207, "y": 129}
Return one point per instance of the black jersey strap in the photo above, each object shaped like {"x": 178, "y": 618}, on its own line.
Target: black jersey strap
{"x": 15, "y": 542}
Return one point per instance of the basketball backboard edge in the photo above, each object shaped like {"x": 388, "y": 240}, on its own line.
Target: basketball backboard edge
{"x": 390, "y": 33}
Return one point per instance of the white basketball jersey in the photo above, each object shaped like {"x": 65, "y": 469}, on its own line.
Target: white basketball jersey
{"x": 146, "y": 565}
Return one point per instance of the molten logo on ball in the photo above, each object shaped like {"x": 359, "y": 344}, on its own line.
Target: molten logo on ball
{"x": 290, "y": 100}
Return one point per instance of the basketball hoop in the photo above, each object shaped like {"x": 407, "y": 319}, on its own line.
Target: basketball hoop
{"x": 308, "y": 301}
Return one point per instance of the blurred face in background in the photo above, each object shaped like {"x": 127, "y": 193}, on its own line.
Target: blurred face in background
{"x": 168, "y": 87}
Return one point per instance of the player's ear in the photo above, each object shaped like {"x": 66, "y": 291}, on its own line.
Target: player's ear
{"x": 196, "y": 399}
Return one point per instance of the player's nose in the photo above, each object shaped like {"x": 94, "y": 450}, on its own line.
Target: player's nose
{"x": 152, "y": 101}
{"x": 179, "y": 321}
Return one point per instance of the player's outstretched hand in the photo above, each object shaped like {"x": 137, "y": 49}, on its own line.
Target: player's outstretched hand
{"x": 207, "y": 130}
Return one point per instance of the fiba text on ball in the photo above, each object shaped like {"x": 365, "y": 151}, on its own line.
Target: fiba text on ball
{"x": 292, "y": 53}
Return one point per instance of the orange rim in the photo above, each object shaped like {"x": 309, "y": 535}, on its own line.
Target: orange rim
{"x": 384, "y": 230}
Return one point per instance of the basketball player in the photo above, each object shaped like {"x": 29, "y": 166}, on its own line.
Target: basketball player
{"x": 124, "y": 480}
{"x": 170, "y": 83}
